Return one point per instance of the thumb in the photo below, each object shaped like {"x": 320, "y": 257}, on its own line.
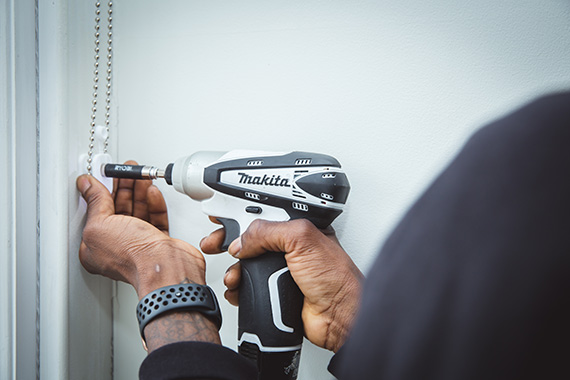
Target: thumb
{"x": 265, "y": 236}
{"x": 98, "y": 198}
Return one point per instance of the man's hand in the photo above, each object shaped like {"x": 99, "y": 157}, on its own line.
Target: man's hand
{"x": 128, "y": 248}
{"x": 329, "y": 280}
{"x": 126, "y": 238}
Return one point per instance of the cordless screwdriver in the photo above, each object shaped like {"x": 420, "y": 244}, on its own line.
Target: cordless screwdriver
{"x": 238, "y": 187}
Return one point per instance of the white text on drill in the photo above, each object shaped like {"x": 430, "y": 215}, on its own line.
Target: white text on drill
{"x": 123, "y": 168}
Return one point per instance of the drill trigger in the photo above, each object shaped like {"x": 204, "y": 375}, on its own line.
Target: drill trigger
{"x": 232, "y": 231}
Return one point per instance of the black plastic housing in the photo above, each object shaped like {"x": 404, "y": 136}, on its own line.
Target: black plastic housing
{"x": 257, "y": 316}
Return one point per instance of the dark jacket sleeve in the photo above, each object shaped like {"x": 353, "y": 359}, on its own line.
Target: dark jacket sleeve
{"x": 474, "y": 283}
{"x": 334, "y": 363}
{"x": 196, "y": 361}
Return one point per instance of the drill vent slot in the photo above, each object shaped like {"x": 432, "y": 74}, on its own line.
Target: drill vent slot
{"x": 327, "y": 196}
{"x": 300, "y": 206}
{"x": 299, "y": 173}
{"x": 252, "y": 195}
{"x": 329, "y": 175}
{"x": 298, "y": 194}
{"x": 255, "y": 163}
{"x": 303, "y": 161}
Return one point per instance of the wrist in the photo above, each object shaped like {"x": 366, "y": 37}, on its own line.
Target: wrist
{"x": 169, "y": 262}
{"x": 182, "y": 312}
{"x": 180, "y": 326}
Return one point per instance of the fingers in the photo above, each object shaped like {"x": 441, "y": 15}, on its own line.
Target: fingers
{"x": 140, "y": 206}
{"x": 213, "y": 219}
{"x": 124, "y": 193}
{"x": 232, "y": 296}
{"x": 156, "y": 208}
{"x": 231, "y": 280}
{"x": 131, "y": 196}
{"x": 98, "y": 198}
{"x": 115, "y": 185}
{"x": 233, "y": 276}
{"x": 212, "y": 243}
{"x": 141, "y": 199}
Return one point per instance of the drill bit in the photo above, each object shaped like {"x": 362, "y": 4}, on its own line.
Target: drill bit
{"x": 132, "y": 171}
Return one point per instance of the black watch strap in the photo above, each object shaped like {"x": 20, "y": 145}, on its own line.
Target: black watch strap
{"x": 181, "y": 297}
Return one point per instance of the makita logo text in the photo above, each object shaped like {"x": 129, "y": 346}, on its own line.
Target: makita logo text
{"x": 273, "y": 180}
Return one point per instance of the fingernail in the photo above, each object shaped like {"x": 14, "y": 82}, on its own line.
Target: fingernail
{"x": 83, "y": 184}
{"x": 235, "y": 247}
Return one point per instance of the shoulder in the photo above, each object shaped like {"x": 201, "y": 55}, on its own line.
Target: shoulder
{"x": 541, "y": 122}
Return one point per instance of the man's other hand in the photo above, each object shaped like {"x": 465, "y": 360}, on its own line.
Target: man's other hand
{"x": 327, "y": 277}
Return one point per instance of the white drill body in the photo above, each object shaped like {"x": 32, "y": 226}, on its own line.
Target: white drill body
{"x": 256, "y": 178}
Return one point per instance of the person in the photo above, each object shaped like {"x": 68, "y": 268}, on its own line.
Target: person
{"x": 473, "y": 283}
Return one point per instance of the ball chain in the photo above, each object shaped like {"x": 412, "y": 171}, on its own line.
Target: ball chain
{"x": 97, "y": 49}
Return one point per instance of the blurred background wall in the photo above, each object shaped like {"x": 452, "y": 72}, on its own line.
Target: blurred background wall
{"x": 391, "y": 89}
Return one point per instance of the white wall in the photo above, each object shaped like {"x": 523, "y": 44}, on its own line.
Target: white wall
{"x": 392, "y": 89}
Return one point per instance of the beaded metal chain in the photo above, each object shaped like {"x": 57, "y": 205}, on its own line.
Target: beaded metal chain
{"x": 96, "y": 80}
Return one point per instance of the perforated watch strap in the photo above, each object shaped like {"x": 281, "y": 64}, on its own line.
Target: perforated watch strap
{"x": 182, "y": 297}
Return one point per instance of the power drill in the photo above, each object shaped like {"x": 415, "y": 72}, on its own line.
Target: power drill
{"x": 238, "y": 187}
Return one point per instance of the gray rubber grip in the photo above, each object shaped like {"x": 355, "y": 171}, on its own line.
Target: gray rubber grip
{"x": 270, "y": 305}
